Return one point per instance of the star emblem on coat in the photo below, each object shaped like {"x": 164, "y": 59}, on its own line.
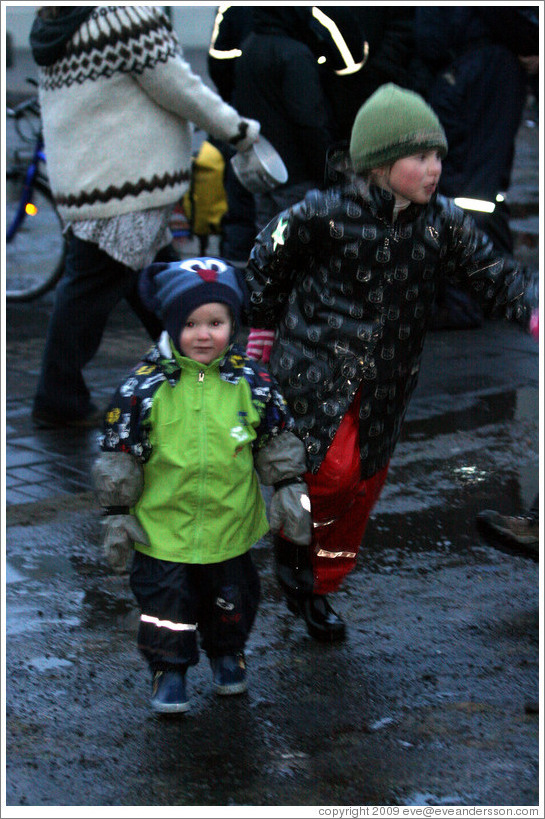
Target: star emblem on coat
{"x": 278, "y": 234}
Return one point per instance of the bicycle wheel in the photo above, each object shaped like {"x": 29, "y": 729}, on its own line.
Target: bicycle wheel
{"x": 35, "y": 254}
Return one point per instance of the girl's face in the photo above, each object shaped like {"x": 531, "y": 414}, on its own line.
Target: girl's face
{"x": 413, "y": 178}
{"x": 206, "y": 333}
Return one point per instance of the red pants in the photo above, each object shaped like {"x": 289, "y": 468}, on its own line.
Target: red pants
{"x": 341, "y": 504}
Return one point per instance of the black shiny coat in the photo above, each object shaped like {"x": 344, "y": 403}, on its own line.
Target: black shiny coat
{"x": 350, "y": 293}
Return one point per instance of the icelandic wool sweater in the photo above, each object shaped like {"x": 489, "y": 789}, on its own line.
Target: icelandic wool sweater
{"x": 117, "y": 109}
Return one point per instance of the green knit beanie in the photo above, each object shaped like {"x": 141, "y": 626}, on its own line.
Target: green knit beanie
{"x": 391, "y": 124}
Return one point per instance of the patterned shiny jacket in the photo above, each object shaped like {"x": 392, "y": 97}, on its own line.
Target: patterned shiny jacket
{"x": 349, "y": 291}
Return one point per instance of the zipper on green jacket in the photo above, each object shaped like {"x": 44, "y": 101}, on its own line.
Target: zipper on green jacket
{"x": 202, "y": 465}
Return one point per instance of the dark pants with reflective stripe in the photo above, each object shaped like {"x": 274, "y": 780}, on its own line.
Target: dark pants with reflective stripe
{"x": 182, "y": 602}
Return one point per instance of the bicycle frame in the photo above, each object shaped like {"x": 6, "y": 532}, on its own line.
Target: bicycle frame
{"x": 28, "y": 188}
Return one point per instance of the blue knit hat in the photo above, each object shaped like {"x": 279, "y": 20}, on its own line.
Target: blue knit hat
{"x": 173, "y": 290}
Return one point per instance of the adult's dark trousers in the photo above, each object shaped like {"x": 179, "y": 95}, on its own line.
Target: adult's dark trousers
{"x": 91, "y": 287}
{"x": 181, "y": 603}
{"x": 479, "y": 101}
{"x": 238, "y": 228}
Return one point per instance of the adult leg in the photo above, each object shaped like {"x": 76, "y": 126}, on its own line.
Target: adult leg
{"x": 149, "y": 320}
{"x": 92, "y": 285}
{"x": 238, "y": 230}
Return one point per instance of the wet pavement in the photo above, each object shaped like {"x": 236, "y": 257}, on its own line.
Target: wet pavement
{"x": 432, "y": 700}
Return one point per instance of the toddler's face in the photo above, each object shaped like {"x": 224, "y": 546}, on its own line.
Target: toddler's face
{"x": 206, "y": 333}
{"x": 414, "y": 178}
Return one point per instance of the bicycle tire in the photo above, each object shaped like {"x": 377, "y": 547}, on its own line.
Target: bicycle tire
{"x": 35, "y": 256}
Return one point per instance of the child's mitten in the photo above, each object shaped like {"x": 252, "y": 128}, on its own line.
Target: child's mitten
{"x": 281, "y": 464}
{"x": 120, "y": 533}
{"x": 118, "y": 479}
{"x": 259, "y": 345}
{"x": 289, "y": 513}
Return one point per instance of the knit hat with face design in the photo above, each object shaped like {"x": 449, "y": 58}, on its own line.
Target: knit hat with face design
{"x": 391, "y": 124}
{"x": 172, "y": 290}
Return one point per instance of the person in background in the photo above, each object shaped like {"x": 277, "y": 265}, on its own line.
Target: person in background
{"x": 478, "y": 88}
{"x": 479, "y": 58}
{"x": 232, "y": 25}
{"x": 520, "y": 532}
{"x": 185, "y": 438}
{"x": 342, "y": 290}
{"x": 118, "y": 102}
{"x": 381, "y": 39}
{"x": 277, "y": 81}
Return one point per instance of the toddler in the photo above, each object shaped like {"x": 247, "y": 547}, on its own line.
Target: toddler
{"x": 184, "y": 436}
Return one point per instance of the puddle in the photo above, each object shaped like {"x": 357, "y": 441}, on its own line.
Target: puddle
{"x": 444, "y": 414}
{"x": 33, "y": 566}
{"x": 30, "y": 584}
{"x": 49, "y": 663}
{"x": 12, "y": 575}
{"x": 109, "y": 607}
{"x": 21, "y": 618}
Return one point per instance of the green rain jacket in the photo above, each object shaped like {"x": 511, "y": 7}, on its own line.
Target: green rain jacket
{"x": 196, "y": 430}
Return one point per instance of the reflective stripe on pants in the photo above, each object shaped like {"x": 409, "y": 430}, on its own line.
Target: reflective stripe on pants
{"x": 341, "y": 504}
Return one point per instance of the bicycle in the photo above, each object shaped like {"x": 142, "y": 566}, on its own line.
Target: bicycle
{"x": 35, "y": 245}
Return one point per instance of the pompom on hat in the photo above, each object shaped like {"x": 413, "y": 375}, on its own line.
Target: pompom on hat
{"x": 173, "y": 290}
{"x": 391, "y": 124}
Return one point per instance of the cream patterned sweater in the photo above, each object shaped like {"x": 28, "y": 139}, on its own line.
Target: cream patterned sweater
{"x": 117, "y": 113}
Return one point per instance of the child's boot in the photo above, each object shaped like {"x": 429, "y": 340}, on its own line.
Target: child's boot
{"x": 168, "y": 694}
{"x": 229, "y": 674}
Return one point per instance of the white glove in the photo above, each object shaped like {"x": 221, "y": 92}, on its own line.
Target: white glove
{"x": 289, "y": 513}
{"x": 120, "y": 534}
{"x": 249, "y": 133}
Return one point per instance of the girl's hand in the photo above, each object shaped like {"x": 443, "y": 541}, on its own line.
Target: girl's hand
{"x": 534, "y": 325}
{"x": 259, "y": 345}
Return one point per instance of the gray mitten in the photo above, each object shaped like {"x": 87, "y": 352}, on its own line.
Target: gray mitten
{"x": 289, "y": 514}
{"x": 284, "y": 456}
{"x": 120, "y": 533}
{"x": 118, "y": 479}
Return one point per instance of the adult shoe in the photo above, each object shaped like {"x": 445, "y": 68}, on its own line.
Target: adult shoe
{"x": 43, "y": 419}
{"x": 322, "y": 621}
{"x": 521, "y": 532}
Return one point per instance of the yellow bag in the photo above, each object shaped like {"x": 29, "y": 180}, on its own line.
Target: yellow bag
{"x": 205, "y": 202}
